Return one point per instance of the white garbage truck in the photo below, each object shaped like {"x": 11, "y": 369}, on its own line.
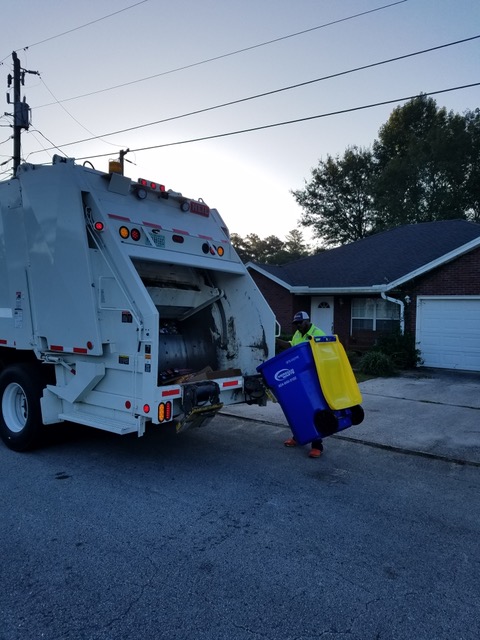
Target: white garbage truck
{"x": 122, "y": 305}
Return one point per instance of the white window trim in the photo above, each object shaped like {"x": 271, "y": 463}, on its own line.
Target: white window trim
{"x": 374, "y": 318}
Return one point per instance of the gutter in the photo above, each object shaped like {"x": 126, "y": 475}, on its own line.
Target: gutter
{"x": 332, "y": 291}
{"x": 402, "y": 309}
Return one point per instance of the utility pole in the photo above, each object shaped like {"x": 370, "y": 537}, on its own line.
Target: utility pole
{"x": 21, "y": 110}
{"x": 17, "y": 129}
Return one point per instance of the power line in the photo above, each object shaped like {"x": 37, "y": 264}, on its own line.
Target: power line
{"x": 31, "y": 131}
{"x": 274, "y": 91}
{"x": 87, "y": 24}
{"x": 296, "y": 121}
{"x": 95, "y": 137}
{"x": 231, "y": 53}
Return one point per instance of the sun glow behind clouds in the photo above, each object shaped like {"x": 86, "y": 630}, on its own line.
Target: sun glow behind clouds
{"x": 249, "y": 198}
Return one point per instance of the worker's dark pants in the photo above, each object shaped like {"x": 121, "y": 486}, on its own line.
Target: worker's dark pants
{"x": 317, "y": 444}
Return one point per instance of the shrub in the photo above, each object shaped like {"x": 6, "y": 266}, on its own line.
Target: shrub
{"x": 401, "y": 349}
{"x": 354, "y": 358}
{"x": 376, "y": 363}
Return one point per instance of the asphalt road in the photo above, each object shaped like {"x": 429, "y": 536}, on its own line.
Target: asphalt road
{"x": 222, "y": 533}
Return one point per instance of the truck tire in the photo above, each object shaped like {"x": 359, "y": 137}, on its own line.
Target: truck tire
{"x": 21, "y": 388}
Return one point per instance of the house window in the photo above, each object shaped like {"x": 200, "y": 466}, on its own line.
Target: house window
{"x": 374, "y": 314}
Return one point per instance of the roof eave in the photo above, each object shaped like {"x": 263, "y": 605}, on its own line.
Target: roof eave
{"x": 330, "y": 291}
{"x": 267, "y": 274}
{"x": 302, "y": 289}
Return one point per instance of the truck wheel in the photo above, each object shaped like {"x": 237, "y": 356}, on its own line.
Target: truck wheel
{"x": 20, "y": 415}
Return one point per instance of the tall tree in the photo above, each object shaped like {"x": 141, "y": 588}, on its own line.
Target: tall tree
{"x": 424, "y": 166}
{"x": 338, "y": 201}
{"x": 472, "y": 176}
{"x": 295, "y": 246}
{"x": 270, "y": 250}
{"x": 253, "y": 248}
{"x": 243, "y": 247}
{"x": 422, "y": 156}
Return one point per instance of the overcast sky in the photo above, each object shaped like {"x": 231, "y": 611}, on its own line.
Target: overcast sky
{"x": 158, "y": 51}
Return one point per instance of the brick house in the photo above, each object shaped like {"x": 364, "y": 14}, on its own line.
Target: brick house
{"x": 422, "y": 278}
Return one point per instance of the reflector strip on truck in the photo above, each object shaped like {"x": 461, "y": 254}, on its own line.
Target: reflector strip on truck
{"x": 57, "y": 347}
{"x": 116, "y": 217}
{"x": 171, "y": 392}
{"x": 152, "y": 225}
{"x": 231, "y": 383}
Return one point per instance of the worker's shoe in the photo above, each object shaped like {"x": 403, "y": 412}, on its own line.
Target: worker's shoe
{"x": 314, "y": 453}
{"x": 291, "y": 442}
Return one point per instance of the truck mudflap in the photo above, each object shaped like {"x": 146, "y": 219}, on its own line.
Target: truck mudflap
{"x": 201, "y": 403}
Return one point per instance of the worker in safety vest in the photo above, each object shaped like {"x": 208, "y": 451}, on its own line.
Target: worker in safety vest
{"x": 304, "y": 331}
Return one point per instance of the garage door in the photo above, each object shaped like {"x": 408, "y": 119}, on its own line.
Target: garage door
{"x": 448, "y": 332}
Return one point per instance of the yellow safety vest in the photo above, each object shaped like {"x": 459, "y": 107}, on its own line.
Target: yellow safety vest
{"x": 298, "y": 337}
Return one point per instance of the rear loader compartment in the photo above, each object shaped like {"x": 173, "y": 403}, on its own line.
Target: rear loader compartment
{"x": 121, "y": 305}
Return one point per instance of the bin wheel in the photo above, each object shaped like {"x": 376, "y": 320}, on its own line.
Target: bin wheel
{"x": 20, "y": 414}
{"x": 358, "y": 414}
{"x": 325, "y": 422}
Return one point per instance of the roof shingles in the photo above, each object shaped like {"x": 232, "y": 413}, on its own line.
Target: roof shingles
{"x": 378, "y": 259}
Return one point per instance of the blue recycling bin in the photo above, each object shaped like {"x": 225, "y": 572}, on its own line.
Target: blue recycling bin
{"x": 292, "y": 376}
